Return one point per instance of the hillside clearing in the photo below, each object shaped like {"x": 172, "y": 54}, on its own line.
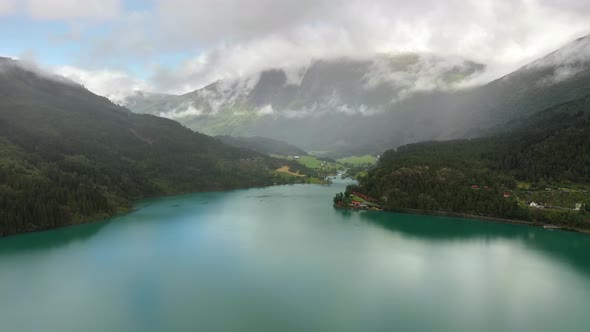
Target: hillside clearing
{"x": 285, "y": 169}
{"x": 367, "y": 159}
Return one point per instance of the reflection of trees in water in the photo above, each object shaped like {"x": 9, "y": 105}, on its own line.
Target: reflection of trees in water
{"x": 573, "y": 248}
{"x": 49, "y": 239}
{"x": 148, "y": 211}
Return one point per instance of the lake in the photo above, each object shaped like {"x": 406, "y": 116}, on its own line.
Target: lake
{"x": 283, "y": 259}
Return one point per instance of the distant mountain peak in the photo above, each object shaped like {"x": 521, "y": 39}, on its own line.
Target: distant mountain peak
{"x": 362, "y": 85}
{"x": 383, "y": 100}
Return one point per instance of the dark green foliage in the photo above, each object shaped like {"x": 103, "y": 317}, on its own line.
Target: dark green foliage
{"x": 69, "y": 156}
{"x": 472, "y": 176}
{"x": 338, "y": 198}
{"x": 263, "y": 145}
{"x": 342, "y": 199}
{"x": 554, "y": 146}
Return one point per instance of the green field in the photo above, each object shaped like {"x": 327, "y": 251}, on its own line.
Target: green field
{"x": 363, "y": 160}
{"x": 310, "y": 161}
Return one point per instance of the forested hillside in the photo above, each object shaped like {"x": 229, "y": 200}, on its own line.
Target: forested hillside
{"x": 69, "y": 156}
{"x": 547, "y": 158}
{"x": 263, "y": 145}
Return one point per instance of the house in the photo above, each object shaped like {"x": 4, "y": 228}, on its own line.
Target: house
{"x": 578, "y": 207}
{"x": 486, "y": 187}
{"x": 534, "y": 204}
{"x": 507, "y": 195}
{"x": 474, "y": 186}
{"x": 295, "y": 157}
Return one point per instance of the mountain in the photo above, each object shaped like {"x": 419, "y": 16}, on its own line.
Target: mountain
{"x": 546, "y": 160}
{"x": 70, "y": 156}
{"x": 559, "y": 77}
{"x": 264, "y": 145}
{"x": 328, "y": 105}
{"x": 358, "y": 106}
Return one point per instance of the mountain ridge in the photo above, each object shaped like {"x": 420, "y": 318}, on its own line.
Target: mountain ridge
{"x": 419, "y": 107}
{"x": 70, "y": 156}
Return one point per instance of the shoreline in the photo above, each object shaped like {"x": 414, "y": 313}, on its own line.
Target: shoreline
{"x": 87, "y": 220}
{"x": 473, "y": 217}
{"x": 133, "y": 208}
{"x": 492, "y": 219}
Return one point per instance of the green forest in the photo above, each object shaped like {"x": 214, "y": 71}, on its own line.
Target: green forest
{"x": 68, "y": 156}
{"x": 547, "y": 157}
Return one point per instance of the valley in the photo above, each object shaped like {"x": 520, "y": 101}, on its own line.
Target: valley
{"x": 347, "y": 106}
{"x": 317, "y": 166}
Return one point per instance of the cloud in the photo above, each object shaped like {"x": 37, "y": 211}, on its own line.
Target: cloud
{"x": 7, "y": 7}
{"x": 176, "y": 114}
{"x": 576, "y": 53}
{"x": 425, "y": 72}
{"x": 241, "y": 37}
{"x": 237, "y": 38}
{"x": 74, "y": 9}
{"x": 64, "y": 10}
{"x": 116, "y": 85}
{"x": 266, "y": 110}
{"x": 565, "y": 62}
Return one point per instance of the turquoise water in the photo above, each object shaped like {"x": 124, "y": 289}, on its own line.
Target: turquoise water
{"x": 283, "y": 259}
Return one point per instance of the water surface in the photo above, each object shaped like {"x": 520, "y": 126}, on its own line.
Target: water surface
{"x": 283, "y": 259}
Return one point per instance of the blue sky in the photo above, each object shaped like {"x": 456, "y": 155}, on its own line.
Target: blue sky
{"x": 116, "y": 46}
{"x": 68, "y": 41}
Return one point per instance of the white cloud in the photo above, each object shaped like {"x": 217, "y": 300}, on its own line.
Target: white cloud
{"x": 238, "y": 38}
{"x": 577, "y": 53}
{"x": 426, "y": 72}
{"x": 241, "y": 37}
{"x": 567, "y": 61}
{"x": 266, "y": 110}
{"x": 74, "y": 9}
{"x": 115, "y": 85}
{"x": 7, "y": 7}
{"x": 175, "y": 114}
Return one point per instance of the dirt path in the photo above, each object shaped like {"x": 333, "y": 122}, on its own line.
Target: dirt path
{"x": 285, "y": 169}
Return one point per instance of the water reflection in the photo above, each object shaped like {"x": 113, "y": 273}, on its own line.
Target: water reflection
{"x": 48, "y": 240}
{"x": 282, "y": 259}
{"x": 564, "y": 246}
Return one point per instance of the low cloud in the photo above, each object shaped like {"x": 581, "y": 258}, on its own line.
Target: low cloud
{"x": 575, "y": 54}
{"x": 28, "y": 62}
{"x": 116, "y": 85}
{"x": 175, "y": 114}
{"x": 239, "y": 38}
{"x": 425, "y": 72}
{"x": 566, "y": 62}
{"x": 266, "y": 110}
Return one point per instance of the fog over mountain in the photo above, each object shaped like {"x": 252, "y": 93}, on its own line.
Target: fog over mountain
{"x": 176, "y": 46}
{"x": 364, "y": 105}
{"x": 325, "y": 75}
